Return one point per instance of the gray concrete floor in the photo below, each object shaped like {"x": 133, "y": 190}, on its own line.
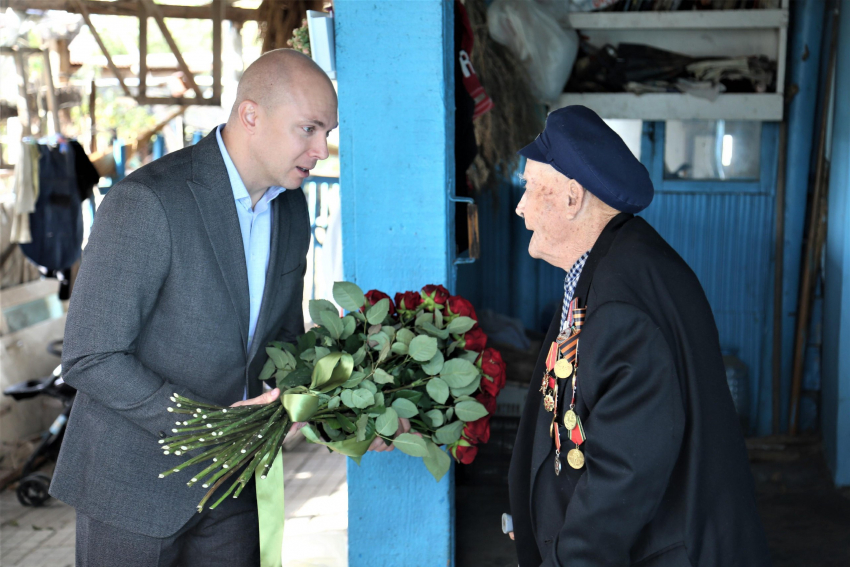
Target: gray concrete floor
{"x": 316, "y": 532}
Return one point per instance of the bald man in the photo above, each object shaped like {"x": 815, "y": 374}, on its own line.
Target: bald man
{"x": 196, "y": 261}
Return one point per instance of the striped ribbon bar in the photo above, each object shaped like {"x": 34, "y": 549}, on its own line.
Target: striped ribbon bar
{"x": 569, "y": 348}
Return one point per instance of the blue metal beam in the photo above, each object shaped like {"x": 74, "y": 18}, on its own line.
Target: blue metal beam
{"x": 395, "y": 75}
{"x": 804, "y": 55}
{"x": 836, "y": 341}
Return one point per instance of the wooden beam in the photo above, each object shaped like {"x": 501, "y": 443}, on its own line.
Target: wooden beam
{"x": 217, "y": 7}
{"x": 179, "y": 100}
{"x": 143, "y": 51}
{"x": 130, "y": 8}
{"x": 153, "y": 10}
{"x": 85, "y": 13}
{"x": 51, "y": 93}
{"x": 23, "y": 106}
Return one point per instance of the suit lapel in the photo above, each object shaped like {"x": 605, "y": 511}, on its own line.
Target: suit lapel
{"x": 281, "y": 229}
{"x": 210, "y": 185}
{"x": 543, "y": 443}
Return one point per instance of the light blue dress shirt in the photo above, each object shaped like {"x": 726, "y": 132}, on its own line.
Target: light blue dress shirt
{"x": 256, "y": 225}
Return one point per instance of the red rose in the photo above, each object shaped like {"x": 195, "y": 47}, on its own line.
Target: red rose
{"x": 464, "y": 452}
{"x": 374, "y": 296}
{"x": 475, "y": 339}
{"x": 478, "y": 431}
{"x": 493, "y": 368}
{"x": 461, "y": 307}
{"x": 434, "y": 294}
{"x": 488, "y": 401}
{"x": 408, "y": 301}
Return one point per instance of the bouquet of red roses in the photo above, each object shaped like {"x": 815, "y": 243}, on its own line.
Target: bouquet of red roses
{"x": 422, "y": 357}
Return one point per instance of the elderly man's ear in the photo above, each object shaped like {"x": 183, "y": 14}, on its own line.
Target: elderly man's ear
{"x": 576, "y": 197}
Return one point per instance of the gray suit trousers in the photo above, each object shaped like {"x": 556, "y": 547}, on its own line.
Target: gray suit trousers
{"x": 227, "y": 536}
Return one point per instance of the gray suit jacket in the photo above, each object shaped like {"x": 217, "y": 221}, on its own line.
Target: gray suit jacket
{"x": 161, "y": 306}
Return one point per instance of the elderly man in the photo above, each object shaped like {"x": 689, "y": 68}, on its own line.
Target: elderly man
{"x": 195, "y": 262}
{"x": 629, "y": 451}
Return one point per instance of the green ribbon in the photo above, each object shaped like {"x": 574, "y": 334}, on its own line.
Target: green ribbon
{"x": 270, "y": 512}
{"x": 300, "y": 407}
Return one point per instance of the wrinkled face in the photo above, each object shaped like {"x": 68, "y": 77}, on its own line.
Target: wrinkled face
{"x": 292, "y": 136}
{"x": 545, "y": 208}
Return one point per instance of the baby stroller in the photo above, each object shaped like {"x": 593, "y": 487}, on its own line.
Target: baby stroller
{"x": 32, "y": 488}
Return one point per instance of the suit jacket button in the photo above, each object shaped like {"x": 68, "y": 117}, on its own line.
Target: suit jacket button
{"x": 162, "y": 434}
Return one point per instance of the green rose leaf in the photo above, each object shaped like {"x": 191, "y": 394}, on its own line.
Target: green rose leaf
{"x": 362, "y": 427}
{"x": 347, "y": 398}
{"x": 405, "y": 335}
{"x": 412, "y": 445}
{"x": 356, "y": 377}
{"x": 471, "y": 388}
{"x": 346, "y": 424}
{"x": 298, "y": 377}
{"x": 349, "y": 296}
{"x": 378, "y": 312}
{"x": 389, "y": 331}
{"x": 469, "y": 355}
{"x": 369, "y": 385}
{"x": 306, "y": 341}
{"x": 438, "y": 461}
{"x": 448, "y": 434}
{"x": 282, "y": 359}
{"x": 321, "y": 352}
{"x": 436, "y": 417}
{"x": 387, "y": 423}
{"x": 450, "y": 413}
{"x": 435, "y": 365}
{"x": 400, "y": 348}
{"x": 268, "y": 370}
{"x": 334, "y": 402}
{"x": 438, "y": 319}
{"x": 458, "y": 372}
{"x": 423, "y": 318}
{"x": 422, "y": 348}
{"x": 359, "y": 356}
{"x": 438, "y": 390}
{"x": 460, "y": 325}
{"x": 349, "y": 325}
{"x": 405, "y": 408}
{"x": 434, "y": 331}
{"x": 470, "y": 411}
{"x": 381, "y": 377}
{"x": 411, "y": 395}
{"x": 332, "y": 323}
{"x": 316, "y": 306}
{"x": 362, "y": 398}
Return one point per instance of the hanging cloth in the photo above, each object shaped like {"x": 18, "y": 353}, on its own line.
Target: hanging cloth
{"x": 26, "y": 192}
{"x": 56, "y": 226}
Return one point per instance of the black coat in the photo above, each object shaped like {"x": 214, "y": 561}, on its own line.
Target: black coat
{"x": 666, "y": 480}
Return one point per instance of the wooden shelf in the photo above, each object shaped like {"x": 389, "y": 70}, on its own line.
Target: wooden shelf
{"x": 702, "y": 20}
{"x": 673, "y": 106}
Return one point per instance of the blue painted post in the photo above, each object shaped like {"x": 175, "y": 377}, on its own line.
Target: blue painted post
{"x": 197, "y": 137}
{"x": 119, "y": 154}
{"x": 158, "y": 146}
{"x": 395, "y": 75}
{"x": 836, "y": 341}
{"x": 804, "y": 54}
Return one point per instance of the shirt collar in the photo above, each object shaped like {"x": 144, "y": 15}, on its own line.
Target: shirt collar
{"x": 240, "y": 192}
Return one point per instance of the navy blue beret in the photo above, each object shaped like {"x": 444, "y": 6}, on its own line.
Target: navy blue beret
{"x": 577, "y": 143}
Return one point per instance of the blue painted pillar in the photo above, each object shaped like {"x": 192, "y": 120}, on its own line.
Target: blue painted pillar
{"x": 836, "y": 342}
{"x": 804, "y": 57}
{"x": 119, "y": 154}
{"x": 396, "y": 105}
{"x": 158, "y": 146}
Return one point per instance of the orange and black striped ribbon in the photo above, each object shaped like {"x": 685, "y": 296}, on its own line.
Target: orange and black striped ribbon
{"x": 569, "y": 348}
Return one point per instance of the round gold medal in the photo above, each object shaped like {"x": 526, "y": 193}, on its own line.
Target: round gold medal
{"x": 575, "y": 458}
{"x": 563, "y": 368}
{"x": 570, "y": 420}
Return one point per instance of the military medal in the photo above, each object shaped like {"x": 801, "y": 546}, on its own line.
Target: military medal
{"x": 570, "y": 420}
{"x": 563, "y": 368}
{"x": 575, "y": 458}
